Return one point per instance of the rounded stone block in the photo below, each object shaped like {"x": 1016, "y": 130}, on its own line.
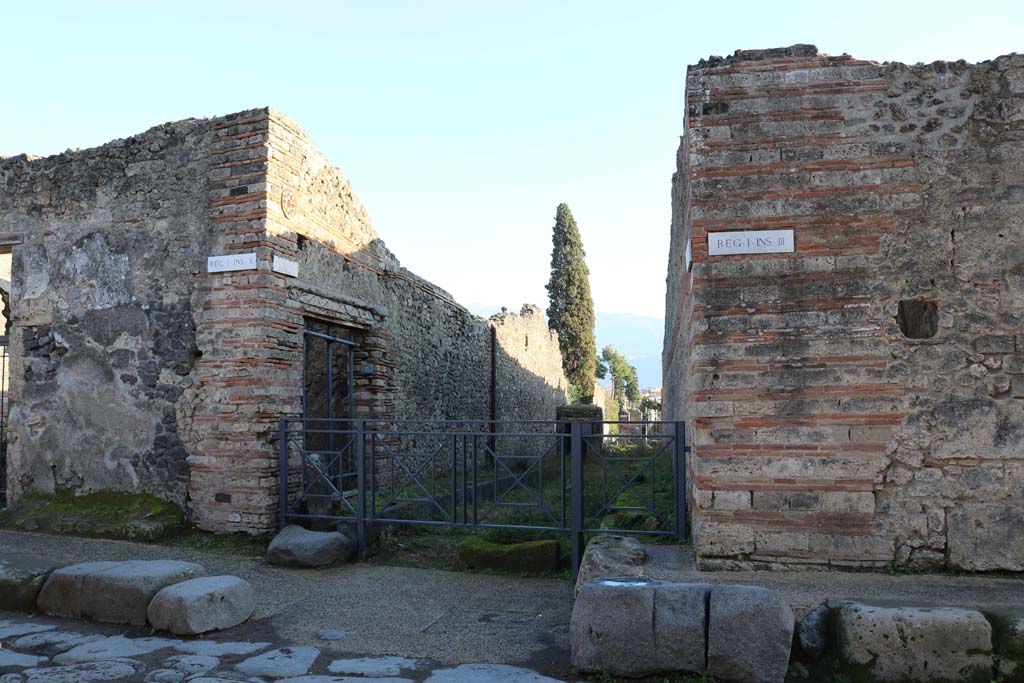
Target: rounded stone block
{"x": 209, "y": 603}
{"x": 112, "y": 592}
{"x": 910, "y": 644}
{"x": 295, "y": 546}
{"x": 750, "y": 634}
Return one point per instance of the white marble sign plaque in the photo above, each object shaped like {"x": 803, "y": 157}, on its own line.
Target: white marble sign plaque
{"x": 285, "y": 266}
{"x": 222, "y": 264}
{"x": 689, "y": 254}
{"x": 750, "y": 242}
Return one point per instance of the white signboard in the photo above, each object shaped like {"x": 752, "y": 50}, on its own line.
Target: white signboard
{"x": 750, "y": 242}
{"x": 689, "y": 254}
{"x": 285, "y": 266}
{"x": 222, "y": 264}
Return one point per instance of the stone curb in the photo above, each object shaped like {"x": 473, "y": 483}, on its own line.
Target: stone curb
{"x": 20, "y": 583}
{"x": 635, "y": 627}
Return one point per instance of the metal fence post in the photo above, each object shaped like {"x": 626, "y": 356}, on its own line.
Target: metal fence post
{"x": 361, "y": 489}
{"x": 576, "y": 441}
{"x": 679, "y": 464}
{"x": 282, "y": 474}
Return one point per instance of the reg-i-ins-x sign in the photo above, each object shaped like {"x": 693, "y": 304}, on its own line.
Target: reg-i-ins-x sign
{"x": 750, "y": 242}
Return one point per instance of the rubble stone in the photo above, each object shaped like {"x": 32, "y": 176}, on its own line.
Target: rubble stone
{"x": 295, "y": 546}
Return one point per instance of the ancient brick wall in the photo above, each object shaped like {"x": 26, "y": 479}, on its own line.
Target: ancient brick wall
{"x": 858, "y": 401}
{"x": 135, "y": 368}
{"x": 425, "y": 356}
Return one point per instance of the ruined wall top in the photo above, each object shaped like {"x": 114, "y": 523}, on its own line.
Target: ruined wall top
{"x": 799, "y": 50}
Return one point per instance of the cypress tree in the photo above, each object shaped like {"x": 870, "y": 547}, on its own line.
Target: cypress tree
{"x": 571, "y": 309}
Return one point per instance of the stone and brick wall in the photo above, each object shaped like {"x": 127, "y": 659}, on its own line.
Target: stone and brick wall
{"x": 859, "y": 401}
{"x": 134, "y": 368}
{"x": 103, "y": 342}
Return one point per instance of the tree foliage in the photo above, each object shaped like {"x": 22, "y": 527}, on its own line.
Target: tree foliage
{"x": 571, "y": 308}
{"x": 625, "y": 384}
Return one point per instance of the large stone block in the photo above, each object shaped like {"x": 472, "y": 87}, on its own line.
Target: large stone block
{"x": 986, "y": 537}
{"x": 113, "y": 592}
{"x": 609, "y": 556}
{"x": 638, "y": 627}
{"x": 209, "y": 603}
{"x": 750, "y": 633}
{"x": 299, "y": 547}
{"x": 911, "y": 644}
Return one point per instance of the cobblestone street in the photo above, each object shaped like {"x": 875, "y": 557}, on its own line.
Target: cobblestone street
{"x": 39, "y": 650}
{"x": 433, "y": 620}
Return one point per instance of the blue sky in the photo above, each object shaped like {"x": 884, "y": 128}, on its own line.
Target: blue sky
{"x": 462, "y": 125}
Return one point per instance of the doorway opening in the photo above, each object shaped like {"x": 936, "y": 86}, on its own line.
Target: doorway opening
{"x": 328, "y": 409}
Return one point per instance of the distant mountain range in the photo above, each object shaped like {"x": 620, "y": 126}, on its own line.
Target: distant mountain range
{"x": 637, "y": 337}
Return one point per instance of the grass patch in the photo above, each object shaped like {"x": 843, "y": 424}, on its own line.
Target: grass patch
{"x": 530, "y": 556}
{"x": 245, "y": 545}
{"x": 896, "y": 569}
{"x": 103, "y": 514}
{"x": 438, "y": 548}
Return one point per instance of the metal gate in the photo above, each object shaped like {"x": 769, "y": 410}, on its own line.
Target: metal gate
{"x": 574, "y": 477}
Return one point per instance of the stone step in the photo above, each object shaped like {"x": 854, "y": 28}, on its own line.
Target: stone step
{"x": 112, "y": 592}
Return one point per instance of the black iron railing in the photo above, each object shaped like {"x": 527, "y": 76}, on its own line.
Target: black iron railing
{"x": 575, "y": 477}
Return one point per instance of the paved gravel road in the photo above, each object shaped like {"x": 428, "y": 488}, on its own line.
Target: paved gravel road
{"x": 446, "y": 617}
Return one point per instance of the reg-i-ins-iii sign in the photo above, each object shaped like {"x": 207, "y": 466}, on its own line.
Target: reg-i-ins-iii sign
{"x": 750, "y": 242}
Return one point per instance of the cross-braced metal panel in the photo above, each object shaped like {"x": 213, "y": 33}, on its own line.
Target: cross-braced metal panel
{"x": 572, "y": 477}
